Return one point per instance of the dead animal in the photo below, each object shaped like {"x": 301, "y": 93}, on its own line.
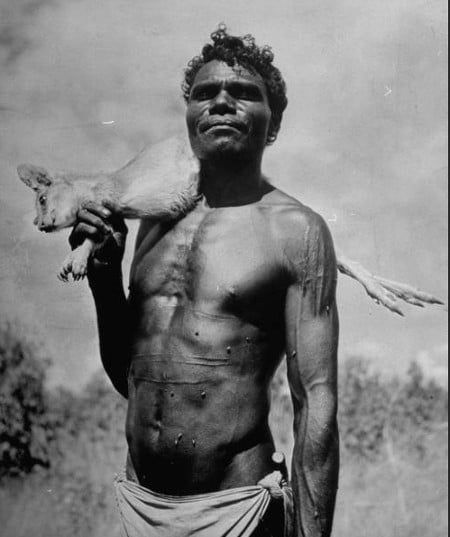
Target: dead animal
{"x": 160, "y": 183}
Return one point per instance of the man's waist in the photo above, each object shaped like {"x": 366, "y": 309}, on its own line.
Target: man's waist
{"x": 197, "y": 461}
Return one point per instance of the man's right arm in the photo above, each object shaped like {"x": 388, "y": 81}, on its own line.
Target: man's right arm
{"x": 113, "y": 323}
{"x": 105, "y": 280}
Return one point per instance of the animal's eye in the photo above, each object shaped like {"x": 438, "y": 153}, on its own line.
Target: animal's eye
{"x": 42, "y": 198}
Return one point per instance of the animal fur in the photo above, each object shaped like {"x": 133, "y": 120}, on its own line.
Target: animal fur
{"x": 160, "y": 183}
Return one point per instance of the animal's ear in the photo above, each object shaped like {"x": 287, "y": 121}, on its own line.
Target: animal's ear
{"x": 34, "y": 176}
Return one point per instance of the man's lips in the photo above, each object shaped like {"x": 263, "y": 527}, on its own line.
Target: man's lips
{"x": 222, "y": 123}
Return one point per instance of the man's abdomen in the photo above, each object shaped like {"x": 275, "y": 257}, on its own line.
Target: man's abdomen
{"x": 193, "y": 421}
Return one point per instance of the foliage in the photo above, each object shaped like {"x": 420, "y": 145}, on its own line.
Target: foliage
{"x": 89, "y": 449}
{"x": 364, "y": 401}
{"x": 24, "y": 421}
{"x": 375, "y": 411}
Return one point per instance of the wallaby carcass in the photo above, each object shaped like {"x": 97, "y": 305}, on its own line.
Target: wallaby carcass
{"x": 160, "y": 183}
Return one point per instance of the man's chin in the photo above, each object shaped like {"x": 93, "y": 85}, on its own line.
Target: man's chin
{"x": 223, "y": 149}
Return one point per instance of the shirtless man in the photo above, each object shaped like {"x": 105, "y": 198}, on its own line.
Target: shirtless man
{"x": 216, "y": 300}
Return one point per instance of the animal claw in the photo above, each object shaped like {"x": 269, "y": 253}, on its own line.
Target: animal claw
{"x": 62, "y": 277}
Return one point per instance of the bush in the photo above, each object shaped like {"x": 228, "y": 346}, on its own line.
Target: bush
{"x": 25, "y": 430}
{"x": 363, "y": 406}
{"x": 90, "y": 447}
{"x": 375, "y": 410}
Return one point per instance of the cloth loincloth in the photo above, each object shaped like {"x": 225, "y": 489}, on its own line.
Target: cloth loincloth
{"x": 228, "y": 513}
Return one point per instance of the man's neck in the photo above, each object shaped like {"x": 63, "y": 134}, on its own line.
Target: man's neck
{"x": 223, "y": 185}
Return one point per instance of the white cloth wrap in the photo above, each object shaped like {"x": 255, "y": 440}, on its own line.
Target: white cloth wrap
{"x": 229, "y": 513}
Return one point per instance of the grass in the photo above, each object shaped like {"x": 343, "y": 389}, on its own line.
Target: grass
{"x": 403, "y": 495}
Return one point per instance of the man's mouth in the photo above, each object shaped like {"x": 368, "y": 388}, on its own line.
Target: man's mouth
{"x": 210, "y": 125}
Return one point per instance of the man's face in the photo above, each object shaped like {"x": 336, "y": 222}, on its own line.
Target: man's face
{"x": 228, "y": 113}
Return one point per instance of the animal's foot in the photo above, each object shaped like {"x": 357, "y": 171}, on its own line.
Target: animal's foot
{"x": 383, "y": 291}
{"x": 65, "y": 270}
{"x": 76, "y": 263}
{"x": 73, "y": 265}
{"x": 79, "y": 269}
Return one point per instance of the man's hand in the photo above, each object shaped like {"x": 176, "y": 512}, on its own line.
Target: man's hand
{"x": 101, "y": 225}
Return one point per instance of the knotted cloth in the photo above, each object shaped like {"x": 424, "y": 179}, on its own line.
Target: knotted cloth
{"x": 227, "y": 513}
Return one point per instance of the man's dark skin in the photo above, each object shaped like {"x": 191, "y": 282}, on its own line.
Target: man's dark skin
{"x": 216, "y": 299}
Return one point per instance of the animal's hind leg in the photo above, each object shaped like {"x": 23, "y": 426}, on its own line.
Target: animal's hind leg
{"x": 76, "y": 263}
{"x": 385, "y": 292}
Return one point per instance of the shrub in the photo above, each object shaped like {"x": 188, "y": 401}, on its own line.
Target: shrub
{"x": 375, "y": 410}
{"x": 24, "y": 426}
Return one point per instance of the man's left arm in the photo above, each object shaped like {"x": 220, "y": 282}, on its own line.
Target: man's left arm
{"x": 311, "y": 345}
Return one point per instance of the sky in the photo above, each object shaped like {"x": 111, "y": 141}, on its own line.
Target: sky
{"x": 84, "y": 85}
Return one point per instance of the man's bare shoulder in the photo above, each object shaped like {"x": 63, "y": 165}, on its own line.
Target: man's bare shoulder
{"x": 289, "y": 217}
{"x": 301, "y": 235}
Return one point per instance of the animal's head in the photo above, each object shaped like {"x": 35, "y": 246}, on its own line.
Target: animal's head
{"x": 55, "y": 206}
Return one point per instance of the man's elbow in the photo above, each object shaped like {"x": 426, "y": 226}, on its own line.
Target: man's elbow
{"x": 120, "y": 387}
{"x": 322, "y": 403}
{"x": 317, "y": 440}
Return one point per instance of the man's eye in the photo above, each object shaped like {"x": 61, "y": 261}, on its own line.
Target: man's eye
{"x": 203, "y": 94}
{"x": 42, "y": 199}
{"x": 247, "y": 94}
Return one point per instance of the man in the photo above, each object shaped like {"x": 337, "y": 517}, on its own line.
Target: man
{"x": 216, "y": 300}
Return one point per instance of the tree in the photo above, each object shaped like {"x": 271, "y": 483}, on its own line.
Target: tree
{"x": 364, "y": 400}
{"x": 24, "y": 425}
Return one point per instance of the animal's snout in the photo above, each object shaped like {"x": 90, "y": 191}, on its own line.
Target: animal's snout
{"x": 46, "y": 226}
{"x": 46, "y": 223}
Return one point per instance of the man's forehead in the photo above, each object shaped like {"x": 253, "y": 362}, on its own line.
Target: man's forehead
{"x": 216, "y": 70}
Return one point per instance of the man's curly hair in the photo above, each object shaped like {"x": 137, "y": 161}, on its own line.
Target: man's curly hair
{"x": 243, "y": 51}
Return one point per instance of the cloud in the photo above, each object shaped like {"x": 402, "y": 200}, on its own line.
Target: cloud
{"x": 14, "y": 34}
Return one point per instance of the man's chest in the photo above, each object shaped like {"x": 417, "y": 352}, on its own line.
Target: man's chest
{"x": 224, "y": 261}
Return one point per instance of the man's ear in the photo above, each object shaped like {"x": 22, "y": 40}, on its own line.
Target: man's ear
{"x": 34, "y": 176}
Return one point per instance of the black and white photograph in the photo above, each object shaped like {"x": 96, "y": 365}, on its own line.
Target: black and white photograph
{"x": 223, "y": 268}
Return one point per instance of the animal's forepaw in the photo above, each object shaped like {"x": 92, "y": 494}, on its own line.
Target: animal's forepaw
{"x": 65, "y": 270}
{"x": 79, "y": 269}
{"x": 76, "y": 263}
{"x": 73, "y": 265}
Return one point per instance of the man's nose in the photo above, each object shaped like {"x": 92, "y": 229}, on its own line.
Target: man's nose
{"x": 222, "y": 104}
